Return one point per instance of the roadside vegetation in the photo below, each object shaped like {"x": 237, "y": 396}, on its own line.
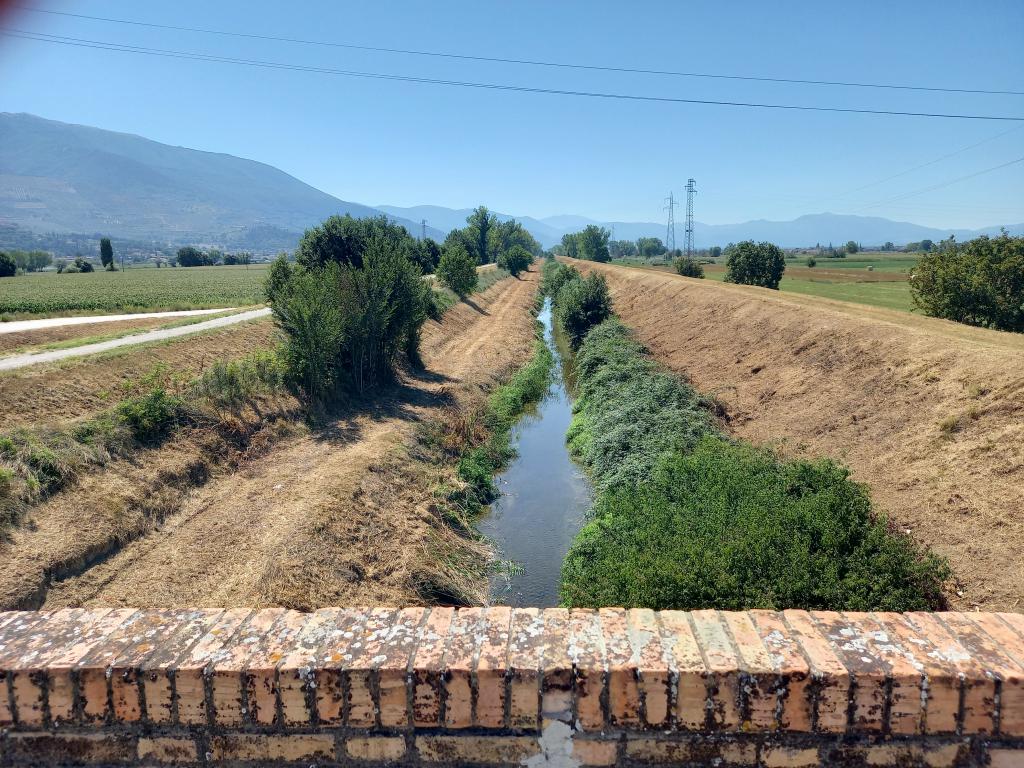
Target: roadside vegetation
{"x": 685, "y": 517}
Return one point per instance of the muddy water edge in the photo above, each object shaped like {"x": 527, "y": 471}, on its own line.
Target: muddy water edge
{"x": 544, "y": 494}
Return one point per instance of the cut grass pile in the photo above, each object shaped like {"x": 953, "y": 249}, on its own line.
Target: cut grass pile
{"x": 134, "y": 290}
{"x": 685, "y": 518}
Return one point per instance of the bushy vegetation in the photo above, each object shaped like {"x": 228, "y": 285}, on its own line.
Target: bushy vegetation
{"x": 457, "y": 269}
{"x": 688, "y": 266}
{"x": 579, "y": 302}
{"x": 980, "y": 282}
{"x": 515, "y": 260}
{"x": 133, "y": 290}
{"x": 684, "y": 518}
{"x": 591, "y": 244}
{"x": 8, "y": 267}
{"x": 750, "y": 263}
{"x": 346, "y": 321}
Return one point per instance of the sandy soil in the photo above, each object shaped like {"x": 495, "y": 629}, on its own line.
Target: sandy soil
{"x": 928, "y": 413}
{"x": 55, "y": 392}
{"x": 337, "y": 516}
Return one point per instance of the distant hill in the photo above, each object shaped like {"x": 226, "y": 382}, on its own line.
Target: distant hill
{"x": 58, "y": 177}
{"x": 804, "y": 231}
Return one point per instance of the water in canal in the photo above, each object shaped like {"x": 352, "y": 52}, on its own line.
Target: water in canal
{"x": 544, "y": 494}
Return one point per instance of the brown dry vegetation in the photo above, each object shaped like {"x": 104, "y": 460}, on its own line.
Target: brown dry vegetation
{"x": 928, "y": 413}
{"x": 286, "y": 516}
{"x": 54, "y": 392}
{"x": 23, "y": 341}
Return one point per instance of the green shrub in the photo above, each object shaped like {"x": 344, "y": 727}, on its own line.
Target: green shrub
{"x": 554, "y": 275}
{"x": 515, "y": 260}
{"x": 751, "y": 263}
{"x": 149, "y": 415}
{"x": 730, "y": 527}
{"x": 980, "y": 282}
{"x": 457, "y": 269}
{"x": 688, "y": 267}
{"x": 8, "y": 267}
{"x": 229, "y": 384}
{"x": 581, "y": 304}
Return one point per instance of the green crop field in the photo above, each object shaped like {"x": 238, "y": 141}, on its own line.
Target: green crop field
{"x": 135, "y": 290}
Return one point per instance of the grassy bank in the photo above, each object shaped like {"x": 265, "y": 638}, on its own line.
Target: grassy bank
{"x": 686, "y": 518}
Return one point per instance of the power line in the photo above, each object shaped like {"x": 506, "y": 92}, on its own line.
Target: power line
{"x": 942, "y": 184}
{"x": 528, "y": 62}
{"x": 122, "y": 48}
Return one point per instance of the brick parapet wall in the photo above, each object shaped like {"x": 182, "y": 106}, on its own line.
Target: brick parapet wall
{"x": 497, "y": 686}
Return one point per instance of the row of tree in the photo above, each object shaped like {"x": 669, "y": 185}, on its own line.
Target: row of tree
{"x": 190, "y": 256}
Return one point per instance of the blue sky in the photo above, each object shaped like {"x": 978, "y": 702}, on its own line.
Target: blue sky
{"x": 400, "y": 143}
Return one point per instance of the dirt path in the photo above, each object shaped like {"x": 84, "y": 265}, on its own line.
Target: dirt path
{"x": 324, "y": 518}
{"x": 928, "y": 413}
{"x": 21, "y": 326}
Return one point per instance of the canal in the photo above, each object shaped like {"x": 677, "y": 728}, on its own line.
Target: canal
{"x": 544, "y": 494}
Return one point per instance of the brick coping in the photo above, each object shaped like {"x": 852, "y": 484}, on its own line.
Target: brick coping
{"x": 793, "y": 679}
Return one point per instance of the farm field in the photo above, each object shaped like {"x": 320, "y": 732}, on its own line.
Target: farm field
{"x": 134, "y": 290}
{"x": 929, "y": 414}
{"x": 292, "y": 515}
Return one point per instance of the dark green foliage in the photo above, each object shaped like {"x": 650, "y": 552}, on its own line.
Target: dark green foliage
{"x": 505, "y": 235}
{"x": 30, "y": 261}
{"x": 980, "y": 282}
{"x": 235, "y": 259}
{"x": 688, "y": 267}
{"x": 570, "y": 245}
{"x": 278, "y": 275}
{"x": 580, "y": 304}
{"x": 593, "y": 243}
{"x": 427, "y": 254}
{"x": 751, "y": 263}
{"x": 193, "y": 257}
{"x": 812, "y": 262}
{"x": 479, "y": 225}
{"x": 80, "y": 264}
{"x": 343, "y": 240}
{"x": 628, "y": 414}
{"x": 8, "y": 267}
{"x": 515, "y": 260}
{"x": 715, "y": 251}
{"x": 554, "y": 275}
{"x": 149, "y": 415}
{"x": 621, "y": 249}
{"x": 457, "y": 269}
{"x": 346, "y": 327}
{"x": 686, "y": 519}
{"x": 106, "y": 253}
{"x": 728, "y": 526}
{"x": 650, "y": 247}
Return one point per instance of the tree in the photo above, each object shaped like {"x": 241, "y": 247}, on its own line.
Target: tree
{"x": 649, "y": 247}
{"x": 515, "y": 260}
{"x": 926, "y": 245}
{"x": 571, "y": 244}
{"x": 688, "y": 267}
{"x": 505, "y": 235}
{"x": 343, "y": 240}
{"x": 980, "y": 282}
{"x": 457, "y": 270}
{"x": 8, "y": 267}
{"x": 427, "y": 254}
{"x": 189, "y": 256}
{"x": 236, "y": 259}
{"x": 107, "y": 254}
{"x": 715, "y": 251}
{"x": 480, "y": 223}
{"x": 852, "y": 247}
{"x": 811, "y": 262}
{"x": 593, "y": 243}
{"x": 581, "y": 304}
{"x": 888, "y": 246}
{"x": 621, "y": 249}
{"x": 751, "y": 263}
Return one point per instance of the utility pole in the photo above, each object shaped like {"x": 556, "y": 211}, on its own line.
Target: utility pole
{"x": 691, "y": 190}
{"x": 670, "y": 230}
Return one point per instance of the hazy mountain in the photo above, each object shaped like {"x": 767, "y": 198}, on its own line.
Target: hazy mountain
{"x": 804, "y": 231}
{"x": 58, "y": 177}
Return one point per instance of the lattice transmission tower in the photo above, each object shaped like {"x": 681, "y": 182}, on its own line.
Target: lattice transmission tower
{"x": 691, "y": 190}
{"x": 670, "y": 230}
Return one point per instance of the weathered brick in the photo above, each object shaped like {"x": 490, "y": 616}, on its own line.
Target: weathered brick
{"x": 724, "y": 667}
{"x": 260, "y": 674}
{"x": 490, "y": 673}
{"x": 593, "y": 752}
{"x": 556, "y": 667}
{"x": 525, "y": 652}
{"x": 192, "y": 666}
{"x": 287, "y": 748}
{"x": 394, "y": 670}
{"x": 296, "y": 671}
{"x": 69, "y": 749}
{"x": 165, "y": 749}
{"x": 829, "y": 673}
{"x": 464, "y": 639}
{"x": 428, "y": 666}
{"x": 688, "y": 670}
{"x": 331, "y": 663}
{"x": 989, "y": 649}
{"x": 1012, "y": 757}
{"x": 586, "y": 647}
{"x": 226, "y": 667}
{"x": 868, "y": 672}
{"x": 367, "y": 653}
{"x": 759, "y": 690}
{"x": 790, "y": 757}
{"x": 653, "y": 674}
{"x": 623, "y": 683}
{"x": 659, "y": 751}
{"x": 375, "y": 748}
{"x": 456, "y": 750}
{"x": 795, "y": 701}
